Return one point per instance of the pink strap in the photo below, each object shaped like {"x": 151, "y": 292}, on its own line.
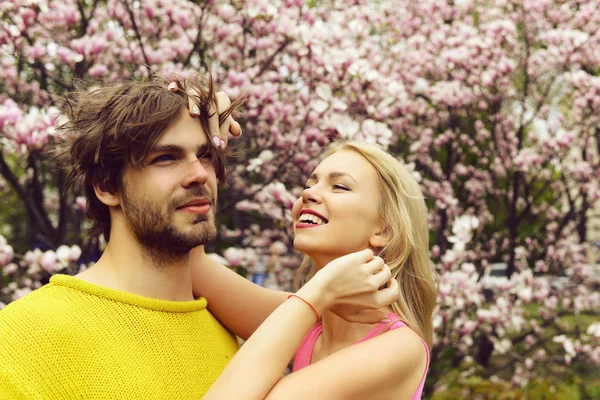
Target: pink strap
{"x": 380, "y": 328}
{"x": 419, "y": 391}
{"x": 396, "y": 323}
{"x": 304, "y": 354}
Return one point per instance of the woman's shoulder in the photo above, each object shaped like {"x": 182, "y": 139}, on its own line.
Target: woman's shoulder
{"x": 403, "y": 342}
{"x": 397, "y": 335}
{"x": 390, "y": 365}
{"x": 403, "y": 356}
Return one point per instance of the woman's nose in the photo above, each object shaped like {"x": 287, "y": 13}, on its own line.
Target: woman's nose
{"x": 311, "y": 194}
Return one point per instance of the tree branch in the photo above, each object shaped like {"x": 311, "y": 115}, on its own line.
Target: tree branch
{"x": 267, "y": 64}
{"x": 137, "y": 34}
{"x": 33, "y": 211}
{"x": 63, "y": 209}
{"x": 535, "y": 197}
{"x": 198, "y": 42}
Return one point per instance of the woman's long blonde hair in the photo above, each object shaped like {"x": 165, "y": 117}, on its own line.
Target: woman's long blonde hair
{"x": 403, "y": 208}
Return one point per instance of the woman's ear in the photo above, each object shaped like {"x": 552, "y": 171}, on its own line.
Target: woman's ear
{"x": 111, "y": 199}
{"x": 381, "y": 238}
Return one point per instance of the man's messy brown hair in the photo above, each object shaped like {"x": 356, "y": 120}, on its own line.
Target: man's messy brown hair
{"x": 114, "y": 126}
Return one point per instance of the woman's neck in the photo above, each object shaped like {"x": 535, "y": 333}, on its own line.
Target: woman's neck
{"x": 337, "y": 332}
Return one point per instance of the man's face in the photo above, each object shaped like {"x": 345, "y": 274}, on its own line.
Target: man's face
{"x": 169, "y": 202}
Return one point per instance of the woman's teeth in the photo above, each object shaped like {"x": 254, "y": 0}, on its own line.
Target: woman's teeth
{"x": 311, "y": 219}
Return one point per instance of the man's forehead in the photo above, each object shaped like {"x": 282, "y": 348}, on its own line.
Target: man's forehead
{"x": 186, "y": 132}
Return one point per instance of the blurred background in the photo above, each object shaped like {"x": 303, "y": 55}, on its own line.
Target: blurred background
{"x": 493, "y": 104}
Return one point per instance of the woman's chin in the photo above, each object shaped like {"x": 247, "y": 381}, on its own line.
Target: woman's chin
{"x": 303, "y": 247}
{"x": 308, "y": 247}
{"x": 319, "y": 255}
{"x": 316, "y": 250}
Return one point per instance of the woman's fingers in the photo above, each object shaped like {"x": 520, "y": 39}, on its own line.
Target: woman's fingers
{"x": 382, "y": 277}
{"x": 213, "y": 125}
{"x": 373, "y": 264}
{"x": 363, "y": 256}
{"x": 235, "y": 128}
{"x": 223, "y": 101}
{"x": 213, "y": 122}
{"x": 372, "y": 306}
{"x": 219, "y": 133}
{"x": 389, "y": 293}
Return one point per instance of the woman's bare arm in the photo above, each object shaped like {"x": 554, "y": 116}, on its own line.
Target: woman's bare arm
{"x": 389, "y": 366}
{"x": 239, "y": 304}
{"x": 258, "y": 365}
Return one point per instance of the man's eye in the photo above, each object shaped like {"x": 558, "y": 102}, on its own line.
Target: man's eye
{"x": 163, "y": 158}
{"x": 206, "y": 156}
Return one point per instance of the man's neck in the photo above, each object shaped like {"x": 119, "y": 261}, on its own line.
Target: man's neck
{"x": 127, "y": 267}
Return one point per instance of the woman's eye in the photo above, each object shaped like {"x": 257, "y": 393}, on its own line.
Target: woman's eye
{"x": 307, "y": 187}
{"x": 341, "y": 187}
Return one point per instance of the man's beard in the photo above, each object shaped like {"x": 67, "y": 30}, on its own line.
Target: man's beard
{"x": 155, "y": 231}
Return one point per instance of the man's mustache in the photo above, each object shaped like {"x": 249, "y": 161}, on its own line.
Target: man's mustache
{"x": 192, "y": 194}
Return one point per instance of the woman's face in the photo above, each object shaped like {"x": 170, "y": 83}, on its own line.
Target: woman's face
{"x": 338, "y": 211}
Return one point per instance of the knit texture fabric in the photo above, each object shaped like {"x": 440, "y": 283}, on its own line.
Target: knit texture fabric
{"x": 74, "y": 340}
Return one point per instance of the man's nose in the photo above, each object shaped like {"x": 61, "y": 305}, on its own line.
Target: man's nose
{"x": 196, "y": 173}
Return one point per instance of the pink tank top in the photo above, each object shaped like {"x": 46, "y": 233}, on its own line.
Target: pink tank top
{"x": 304, "y": 354}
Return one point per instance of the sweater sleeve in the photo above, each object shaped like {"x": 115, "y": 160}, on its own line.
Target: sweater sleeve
{"x": 12, "y": 388}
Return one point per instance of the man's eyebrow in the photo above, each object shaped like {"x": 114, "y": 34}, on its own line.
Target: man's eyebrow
{"x": 166, "y": 148}
{"x": 173, "y": 148}
{"x": 205, "y": 148}
{"x": 333, "y": 175}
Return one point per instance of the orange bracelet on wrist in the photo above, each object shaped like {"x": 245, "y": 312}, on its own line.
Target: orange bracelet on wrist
{"x": 310, "y": 305}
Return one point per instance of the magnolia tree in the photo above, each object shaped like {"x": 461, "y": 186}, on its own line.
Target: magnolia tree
{"x": 494, "y": 106}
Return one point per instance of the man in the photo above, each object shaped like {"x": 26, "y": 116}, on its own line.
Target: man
{"x": 129, "y": 327}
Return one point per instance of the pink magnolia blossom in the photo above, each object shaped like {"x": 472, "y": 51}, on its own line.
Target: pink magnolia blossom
{"x": 80, "y": 203}
{"x": 48, "y": 261}
{"x": 497, "y": 163}
{"x": 6, "y": 252}
{"x": 21, "y": 292}
{"x": 10, "y": 113}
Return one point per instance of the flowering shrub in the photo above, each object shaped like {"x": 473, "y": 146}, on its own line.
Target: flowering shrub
{"x": 494, "y": 106}
{"x": 30, "y": 271}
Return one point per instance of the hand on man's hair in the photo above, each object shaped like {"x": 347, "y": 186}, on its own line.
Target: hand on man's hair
{"x": 220, "y": 125}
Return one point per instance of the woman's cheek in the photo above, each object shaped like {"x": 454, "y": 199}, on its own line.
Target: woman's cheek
{"x": 296, "y": 208}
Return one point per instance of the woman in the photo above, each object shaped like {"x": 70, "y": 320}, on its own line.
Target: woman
{"x": 359, "y": 197}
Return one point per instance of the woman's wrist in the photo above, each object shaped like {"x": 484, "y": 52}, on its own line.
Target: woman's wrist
{"x": 317, "y": 297}
{"x": 314, "y": 310}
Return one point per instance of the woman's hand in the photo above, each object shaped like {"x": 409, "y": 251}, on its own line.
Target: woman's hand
{"x": 219, "y": 130}
{"x": 351, "y": 282}
{"x": 354, "y": 287}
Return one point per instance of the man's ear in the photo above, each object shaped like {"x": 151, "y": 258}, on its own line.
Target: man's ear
{"x": 109, "y": 198}
{"x": 381, "y": 238}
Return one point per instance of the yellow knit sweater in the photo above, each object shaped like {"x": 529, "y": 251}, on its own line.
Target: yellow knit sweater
{"x": 74, "y": 340}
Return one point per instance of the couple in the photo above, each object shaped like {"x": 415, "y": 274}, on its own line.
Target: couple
{"x": 155, "y": 319}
